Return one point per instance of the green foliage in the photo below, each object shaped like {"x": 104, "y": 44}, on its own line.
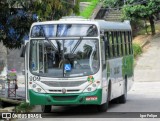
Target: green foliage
{"x": 14, "y": 25}
{"x": 85, "y": 0}
{"x": 136, "y": 9}
{"x": 137, "y": 49}
{"x": 24, "y": 108}
{"x": 54, "y": 9}
{"x": 113, "y": 3}
{"x": 87, "y": 12}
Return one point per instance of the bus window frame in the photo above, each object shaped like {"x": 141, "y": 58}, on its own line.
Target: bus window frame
{"x": 31, "y": 31}
{"x": 123, "y": 45}
{"x": 87, "y": 38}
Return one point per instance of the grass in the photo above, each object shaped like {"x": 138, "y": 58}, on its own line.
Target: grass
{"x": 137, "y": 49}
{"x": 87, "y": 12}
{"x": 24, "y": 108}
{"x": 85, "y": 0}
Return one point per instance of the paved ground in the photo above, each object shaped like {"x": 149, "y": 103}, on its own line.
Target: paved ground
{"x": 148, "y": 65}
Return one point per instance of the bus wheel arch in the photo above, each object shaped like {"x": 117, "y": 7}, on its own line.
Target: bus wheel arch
{"x": 109, "y": 91}
{"x": 104, "y": 107}
{"x": 123, "y": 98}
{"x": 46, "y": 108}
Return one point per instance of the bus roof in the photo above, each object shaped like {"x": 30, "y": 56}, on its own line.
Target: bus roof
{"x": 103, "y": 25}
{"x": 114, "y": 26}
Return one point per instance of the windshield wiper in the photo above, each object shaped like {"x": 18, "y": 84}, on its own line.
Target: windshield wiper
{"x": 47, "y": 38}
{"x": 77, "y": 44}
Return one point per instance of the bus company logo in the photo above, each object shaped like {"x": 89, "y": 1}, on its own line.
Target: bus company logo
{"x": 64, "y": 90}
{"x": 6, "y": 115}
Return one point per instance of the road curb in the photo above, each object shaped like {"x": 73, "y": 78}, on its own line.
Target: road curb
{"x": 149, "y": 39}
{"x": 7, "y": 109}
{"x": 11, "y": 101}
{"x": 145, "y": 43}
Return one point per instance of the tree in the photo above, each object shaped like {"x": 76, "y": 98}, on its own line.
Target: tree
{"x": 18, "y": 15}
{"x": 53, "y": 9}
{"x": 113, "y": 3}
{"x": 146, "y": 10}
{"x": 13, "y": 24}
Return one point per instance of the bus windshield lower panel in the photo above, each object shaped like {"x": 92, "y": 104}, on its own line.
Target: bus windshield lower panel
{"x": 64, "y": 58}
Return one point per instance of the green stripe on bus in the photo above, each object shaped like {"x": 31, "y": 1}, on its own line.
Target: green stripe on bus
{"x": 65, "y": 99}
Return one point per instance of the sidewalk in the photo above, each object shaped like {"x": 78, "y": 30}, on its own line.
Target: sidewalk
{"x": 148, "y": 65}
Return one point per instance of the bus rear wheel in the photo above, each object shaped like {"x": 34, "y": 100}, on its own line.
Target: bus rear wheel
{"x": 46, "y": 108}
{"x": 123, "y": 98}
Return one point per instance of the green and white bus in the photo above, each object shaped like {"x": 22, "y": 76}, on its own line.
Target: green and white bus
{"x": 76, "y": 61}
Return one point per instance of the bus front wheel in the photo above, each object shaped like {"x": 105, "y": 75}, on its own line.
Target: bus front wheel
{"x": 46, "y": 108}
{"x": 104, "y": 107}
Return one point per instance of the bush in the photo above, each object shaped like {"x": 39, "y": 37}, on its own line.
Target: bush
{"x": 24, "y": 108}
{"x": 137, "y": 49}
{"x": 137, "y": 25}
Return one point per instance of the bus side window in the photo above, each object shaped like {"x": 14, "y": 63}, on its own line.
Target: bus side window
{"x": 121, "y": 44}
{"x": 130, "y": 42}
{"x": 108, "y": 52}
{"x": 113, "y": 44}
{"x": 125, "y": 43}
{"x": 103, "y": 48}
{"x": 118, "y": 43}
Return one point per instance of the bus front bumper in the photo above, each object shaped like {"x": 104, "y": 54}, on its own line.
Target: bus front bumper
{"x": 65, "y": 99}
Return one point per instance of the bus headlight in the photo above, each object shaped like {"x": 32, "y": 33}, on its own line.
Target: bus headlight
{"x": 34, "y": 86}
{"x": 37, "y": 88}
{"x": 92, "y": 87}
{"x": 89, "y": 89}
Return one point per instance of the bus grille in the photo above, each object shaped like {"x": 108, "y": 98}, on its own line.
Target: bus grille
{"x": 68, "y": 91}
{"x": 63, "y": 84}
{"x": 64, "y": 98}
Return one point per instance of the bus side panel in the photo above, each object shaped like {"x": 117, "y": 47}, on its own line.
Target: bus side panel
{"x": 104, "y": 74}
{"x": 128, "y": 70}
{"x": 115, "y": 66}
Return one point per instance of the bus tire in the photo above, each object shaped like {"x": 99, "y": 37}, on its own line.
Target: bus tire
{"x": 46, "y": 108}
{"x": 104, "y": 107}
{"x": 123, "y": 98}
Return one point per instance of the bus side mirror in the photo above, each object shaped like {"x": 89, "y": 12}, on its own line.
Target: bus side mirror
{"x": 23, "y": 51}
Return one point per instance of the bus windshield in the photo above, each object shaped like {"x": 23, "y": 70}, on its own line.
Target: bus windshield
{"x": 64, "y": 58}
{"x": 64, "y": 30}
